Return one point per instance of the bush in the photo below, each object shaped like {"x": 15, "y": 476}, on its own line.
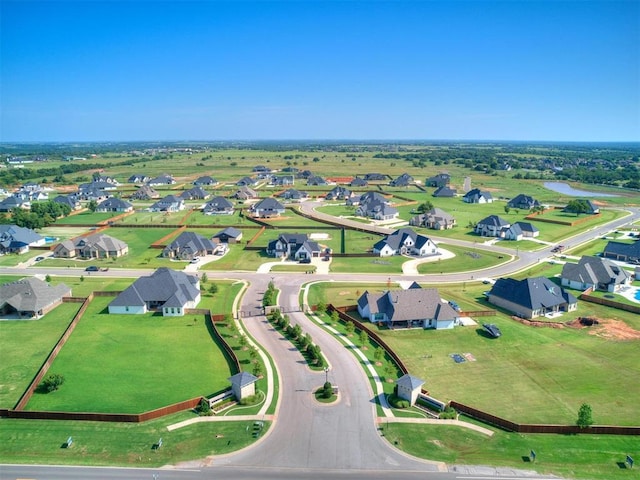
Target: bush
{"x": 52, "y": 382}
{"x": 397, "y": 402}
{"x": 252, "y": 400}
{"x": 327, "y": 390}
{"x": 203, "y": 409}
{"x": 449, "y": 413}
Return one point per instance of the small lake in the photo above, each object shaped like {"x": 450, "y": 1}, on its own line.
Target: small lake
{"x": 567, "y": 189}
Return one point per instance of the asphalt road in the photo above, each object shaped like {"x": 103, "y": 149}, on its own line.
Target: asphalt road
{"x": 311, "y": 440}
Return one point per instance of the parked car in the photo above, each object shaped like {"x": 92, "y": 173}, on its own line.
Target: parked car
{"x": 195, "y": 260}
{"x": 38, "y": 259}
{"x": 92, "y": 268}
{"x": 305, "y": 260}
{"x": 104, "y": 269}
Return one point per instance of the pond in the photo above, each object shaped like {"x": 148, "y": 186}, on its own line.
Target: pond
{"x": 567, "y": 189}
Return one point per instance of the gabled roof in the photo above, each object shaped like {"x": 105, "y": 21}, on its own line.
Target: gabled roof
{"x": 145, "y": 192}
{"x": 31, "y": 294}
{"x": 493, "y": 221}
{"x": 595, "y": 270}
{"x": 159, "y": 287}
{"x": 13, "y": 236}
{"x": 526, "y": 227}
{"x": 167, "y": 201}
{"x": 163, "y": 179}
{"x": 195, "y": 193}
{"x": 444, "y": 192}
{"x": 267, "y": 204}
{"x": 476, "y": 193}
{"x": 523, "y": 201}
{"x": 626, "y": 249}
{"x": 101, "y": 242}
{"x": 411, "y": 304}
{"x": 358, "y": 182}
{"x": 531, "y": 293}
{"x": 230, "y": 232}
{"x": 66, "y": 200}
{"x": 205, "y": 180}
{"x": 409, "y": 381}
{"x": 217, "y": 204}
{"x": 191, "y": 241}
{"x": 293, "y": 193}
{"x": 114, "y": 203}
{"x": 402, "y": 181}
{"x": 244, "y": 181}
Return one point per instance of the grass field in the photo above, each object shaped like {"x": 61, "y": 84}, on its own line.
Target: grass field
{"x": 548, "y": 372}
{"x": 589, "y": 457}
{"x": 25, "y": 345}
{"x": 120, "y": 363}
{"x": 107, "y": 443}
{"x": 465, "y": 260}
{"x": 86, "y": 218}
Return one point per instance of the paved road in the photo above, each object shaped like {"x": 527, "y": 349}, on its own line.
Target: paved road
{"x": 309, "y": 440}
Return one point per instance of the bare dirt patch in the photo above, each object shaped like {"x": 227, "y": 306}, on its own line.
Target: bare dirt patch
{"x": 345, "y": 292}
{"x": 606, "y": 328}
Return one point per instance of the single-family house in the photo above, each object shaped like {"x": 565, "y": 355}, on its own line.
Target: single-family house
{"x": 439, "y": 180}
{"x": 531, "y": 297}
{"x": 410, "y": 308}
{"x": 304, "y": 174}
{"x": 374, "y": 205}
{"x": 519, "y": 230}
{"x": 316, "y": 181}
{"x": 266, "y": 208}
{"x": 435, "y": 219}
{"x": 358, "y": 182}
{"x": 374, "y": 177}
{"x": 138, "y": 178}
{"x": 246, "y": 182}
{"x": 405, "y": 242}
{"x": 30, "y": 298}
{"x": 293, "y": 195}
{"x": 295, "y": 246}
{"x": 218, "y": 206}
{"x": 403, "y": 180}
{"x": 594, "y": 272}
{"x": 165, "y": 290}
{"x": 623, "y": 252}
{"x": 195, "y": 193}
{"x": 338, "y": 193}
{"x": 114, "y": 204}
{"x": 444, "y": 192}
{"x": 90, "y": 192}
{"x": 523, "y": 202}
{"x": 477, "y": 196}
{"x": 98, "y": 184}
{"x": 12, "y": 202}
{"x": 228, "y": 235}
{"x": 491, "y": 226}
{"x": 282, "y": 180}
{"x": 97, "y": 245}
{"x": 205, "y": 181}
{"x": 145, "y": 192}
{"x": 163, "y": 179}
{"x": 170, "y": 203}
{"x": 187, "y": 246}
{"x": 69, "y": 200}
{"x": 15, "y": 239}
{"x": 261, "y": 169}
{"x": 106, "y": 179}
{"x": 245, "y": 193}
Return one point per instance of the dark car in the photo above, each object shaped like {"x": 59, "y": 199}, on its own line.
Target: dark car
{"x": 39, "y": 259}
{"x": 305, "y": 260}
{"x": 91, "y": 268}
{"x": 492, "y": 330}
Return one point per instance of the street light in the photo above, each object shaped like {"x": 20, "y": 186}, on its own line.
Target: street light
{"x": 326, "y": 374}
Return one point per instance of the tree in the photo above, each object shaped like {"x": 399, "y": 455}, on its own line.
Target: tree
{"x": 335, "y": 318}
{"x": 204, "y": 278}
{"x": 52, "y": 382}
{"x": 378, "y": 354}
{"x": 327, "y": 390}
{"x": 47, "y": 278}
{"x": 578, "y": 207}
{"x": 253, "y": 353}
{"x": 350, "y": 328}
{"x": 364, "y": 338}
{"x": 213, "y": 289}
{"x": 389, "y": 370}
{"x": 321, "y": 307}
{"x": 257, "y": 369}
{"x": 585, "y": 418}
{"x": 92, "y": 205}
{"x": 507, "y": 209}
{"x": 244, "y": 341}
{"x": 425, "y": 206}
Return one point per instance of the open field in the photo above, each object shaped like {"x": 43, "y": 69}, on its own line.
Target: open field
{"x": 549, "y": 372}
{"x": 465, "y": 260}
{"x": 86, "y": 218}
{"x": 588, "y": 457}
{"x": 25, "y": 345}
{"x": 108, "y": 443}
{"x": 125, "y": 360}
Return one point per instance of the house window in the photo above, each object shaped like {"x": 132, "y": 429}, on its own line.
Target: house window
{"x": 126, "y": 309}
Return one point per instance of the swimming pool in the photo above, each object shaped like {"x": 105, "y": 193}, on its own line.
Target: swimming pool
{"x": 50, "y": 239}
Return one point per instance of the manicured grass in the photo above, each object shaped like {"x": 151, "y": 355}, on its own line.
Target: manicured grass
{"x": 107, "y": 443}
{"x": 465, "y": 260}
{"x": 239, "y": 259}
{"x": 367, "y": 264}
{"x": 589, "y": 457}
{"x": 86, "y": 218}
{"x": 122, "y": 363}
{"x": 293, "y": 268}
{"x": 13, "y": 259}
{"x": 154, "y": 218}
{"x": 25, "y": 345}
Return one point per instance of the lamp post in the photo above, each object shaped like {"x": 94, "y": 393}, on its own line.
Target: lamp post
{"x": 326, "y": 374}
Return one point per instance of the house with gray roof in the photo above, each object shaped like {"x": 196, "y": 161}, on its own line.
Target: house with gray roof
{"x": 435, "y": 219}
{"x": 218, "y": 206}
{"x": 439, "y": 180}
{"x": 228, "y": 235}
{"x": 138, "y": 178}
{"x": 374, "y": 177}
{"x": 170, "y": 203}
{"x": 243, "y": 385}
{"x": 165, "y": 290}
{"x": 69, "y": 200}
{"x": 594, "y": 272}
{"x": 358, "y": 182}
{"x": 531, "y": 297}
{"x": 491, "y": 226}
{"x": 403, "y": 180}
{"x": 245, "y": 193}
{"x": 293, "y": 195}
{"x": 15, "y": 239}
{"x": 338, "y": 192}
{"x": 294, "y": 246}
{"x": 187, "y": 246}
{"x": 12, "y": 202}
{"x": 444, "y": 192}
{"x": 374, "y": 205}
{"x": 523, "y": 202}
{"x": 114, "y": 204}
{"x": 477, "y": 196}
{"x": 163, "y": 179}
{"x": 266, "y": 208}
{"x": 519, "y": 230}
{"x": 97, "y": 245}
{"x": 246, "y": 182}
{"x": 205, "y": 181}
{"x": 195, "y": 193}
{"x": 30, "y": 298}
{"x": 623, "y": 252}
{"x": 316, "y": 181}
{"x": 90, "y": 191}
{"x": 145, "y": 192}
{"x": 98, "y": 184}
{"x": 282, "y": 180}
{"x": 411, "y": 308}
{"x": 405, "y": 242}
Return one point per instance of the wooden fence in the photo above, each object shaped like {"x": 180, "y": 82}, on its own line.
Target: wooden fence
{"x": 609, "y": 303}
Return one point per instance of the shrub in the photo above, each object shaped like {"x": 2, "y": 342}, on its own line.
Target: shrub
{"x": 52, "y": 382}
{"x": 397, "y": 402}
{"x": 327, "y": 390}
{"x": 449, "y": 413}
{"x": 203, "y": 409}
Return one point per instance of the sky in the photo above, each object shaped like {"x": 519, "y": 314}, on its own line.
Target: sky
{"x": 319, "y": 70}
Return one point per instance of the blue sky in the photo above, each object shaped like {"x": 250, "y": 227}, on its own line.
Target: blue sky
{"x": 264, "y": 70}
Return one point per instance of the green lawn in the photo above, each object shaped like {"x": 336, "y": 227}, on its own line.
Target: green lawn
{"x": 86, "y": 218}
{"x": 154, "y": 218}
{"x": 465, "y": 260}
{"x": 367, "y": 264}
{"x": 121, "y": 363}
{"x": 25, "y": 345}
{"x": 117, "y": 444}
{"x": 589, "y": 457}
